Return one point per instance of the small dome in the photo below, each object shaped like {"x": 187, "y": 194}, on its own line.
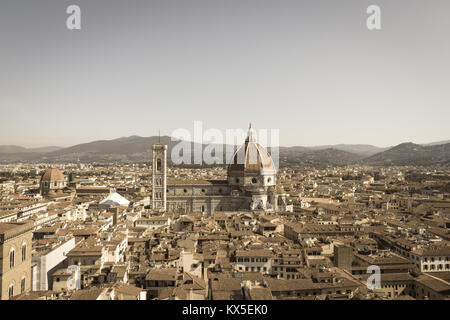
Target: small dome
{"x": 52, "y": 175}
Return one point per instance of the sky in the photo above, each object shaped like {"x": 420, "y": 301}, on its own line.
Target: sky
{"x": 311, "y": 69}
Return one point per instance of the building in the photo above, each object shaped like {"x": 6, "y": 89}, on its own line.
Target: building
{"x": 250, "y": 185}
{"x": 44, "y": 263}
{"x": 15, "y": 258}
{"x": 343, "y": 257}
{"x": 153, "y": 223}
{"x": 431, "y": 259}
{"x": 87, "y": 256}
{"x": 114, "y": 200}
{"x": 52, "y": 182}
{"x": 254, "y": 261}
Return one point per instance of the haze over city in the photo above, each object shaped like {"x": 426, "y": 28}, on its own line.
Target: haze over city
{"x": 309, "y": 68}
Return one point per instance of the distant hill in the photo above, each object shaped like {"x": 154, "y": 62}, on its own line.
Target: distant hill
{"x": 132, "y": 148}
{"x": 319, "y": 158}
{"x": 361, "y": 149}
{"x": 437, "y": 143}
{"x": 12, "y": 149}
{"x": 138, "y": 149}
{"x": 44, "y": 149}
{"x": 18, "y": 149}
{"x": 412, "y": 154}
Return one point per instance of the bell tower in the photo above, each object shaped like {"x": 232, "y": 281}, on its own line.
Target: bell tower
{"x": 159, "y": 176}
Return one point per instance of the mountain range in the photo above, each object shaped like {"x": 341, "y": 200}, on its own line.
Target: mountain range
{"x": 138, "y": 149}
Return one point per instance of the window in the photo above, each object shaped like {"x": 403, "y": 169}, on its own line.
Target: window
{"x": 158, "y": 165}
{"x": 254, "y": 180}
{"x": 11, "y": 291}
{"x": 237, "y": 180}
{"x": 269, "y": 179}
{"x": 22, "y": 285}
{"x": 24, "y": 252}
{"x": 11, "y": 258}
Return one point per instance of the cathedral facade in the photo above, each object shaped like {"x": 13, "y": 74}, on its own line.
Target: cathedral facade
{"x": 251, "y": 184}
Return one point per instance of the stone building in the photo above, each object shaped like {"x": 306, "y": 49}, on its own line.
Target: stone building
{"x": 15, "y": 259}
{"x": 250, "y": 185}
{"x": 52, "y": 182}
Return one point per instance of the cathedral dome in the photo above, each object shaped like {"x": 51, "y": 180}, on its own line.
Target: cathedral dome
{"x": 251, "y": 159}
{"x": 52, "y": 175}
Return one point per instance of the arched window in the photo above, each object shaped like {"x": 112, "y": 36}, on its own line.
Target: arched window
{"x": 22, "y": 285}
{"x": 11, "y": 291}
{"x": 24, "y": 252}
{"x": 11, "y": 258}
{"x": 158, "y": 165}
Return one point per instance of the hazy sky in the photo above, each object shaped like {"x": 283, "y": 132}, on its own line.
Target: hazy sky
{"x": 309, "y": 68}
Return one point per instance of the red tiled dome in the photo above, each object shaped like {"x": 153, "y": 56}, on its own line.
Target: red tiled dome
{"x": 251, "y": 157}
{"x": 52, "y": 174}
